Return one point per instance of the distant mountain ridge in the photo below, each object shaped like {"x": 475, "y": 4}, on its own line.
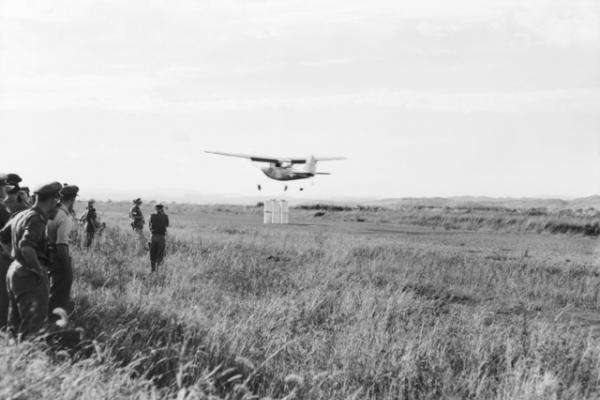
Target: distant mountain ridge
{"x": 509, "y": 202}
{"x": 194, "y": 197}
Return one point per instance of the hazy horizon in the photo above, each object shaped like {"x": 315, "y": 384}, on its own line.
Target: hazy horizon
{"x": 195, "y": 197}
{"x": 430, "y": 98}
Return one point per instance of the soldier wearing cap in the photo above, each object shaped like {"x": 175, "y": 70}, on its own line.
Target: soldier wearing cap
{"x": 90, "y": 218}
{"x": 159, "y": 222}
{"x": 137, "y": 223}
{"x": 27, "y": 278}
{"x": 13, "y": 201}
{"x": 59, "y": 231}
{"x": 5, "y": 259}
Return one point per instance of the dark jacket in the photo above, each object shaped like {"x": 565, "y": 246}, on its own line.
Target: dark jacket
{"x": 91, "y": 219}
{"x": 27, "y": 229}
{"x": 159, "y": 223}
{"x": 137, "y": 218}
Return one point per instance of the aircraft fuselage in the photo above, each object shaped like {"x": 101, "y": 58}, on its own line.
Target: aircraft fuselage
{"x": 285, "y": 174}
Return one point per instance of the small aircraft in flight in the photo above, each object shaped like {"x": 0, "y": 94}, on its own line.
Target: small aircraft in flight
{"x": 281, "y": 169}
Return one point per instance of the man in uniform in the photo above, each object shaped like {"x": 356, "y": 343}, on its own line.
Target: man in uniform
{"x": 27, "y": 278}
{"x": 12, "y": 201}
{"x": 59, "y": 232}
{"x": 159, "y": 222}
{"x": 91, "y": 223}
{"x": 137, "y": 223}
{"x": 5, "y": 259}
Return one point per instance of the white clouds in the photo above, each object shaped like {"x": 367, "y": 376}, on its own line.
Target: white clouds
{"x": 342, "y": 66}
{"x": 138, "y": 93}
{"x": 555, "y": 20}
{"x": 156, "y": 32}
{"x": 295, "y": 54}
{"x": 564, "y": 22}
{"x": 573, "y": 101}
{"x": 436, "y": 29}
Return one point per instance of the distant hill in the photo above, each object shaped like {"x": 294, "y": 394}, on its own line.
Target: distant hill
{"x": 508, "y": 202}
{"x": 195, "y": 197}
{"x": 586, "y": 202}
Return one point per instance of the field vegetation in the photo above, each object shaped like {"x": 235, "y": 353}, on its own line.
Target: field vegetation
{"x": 406, "y": 304}
{"x": 470, "y": 217}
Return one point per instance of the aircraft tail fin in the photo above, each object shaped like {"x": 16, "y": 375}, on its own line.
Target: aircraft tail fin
{"x": 311, "y": 165}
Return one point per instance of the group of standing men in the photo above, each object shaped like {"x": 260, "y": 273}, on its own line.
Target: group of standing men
{"x": 36, "y": 272}
{"x": 36, "y": 268}
{"x": 159, "y": 222}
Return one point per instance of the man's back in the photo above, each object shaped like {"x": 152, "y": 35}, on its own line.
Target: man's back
{"x": 27, "y": 228}
{"x": 60, "y": 228}
{"x": 159, "y": 223}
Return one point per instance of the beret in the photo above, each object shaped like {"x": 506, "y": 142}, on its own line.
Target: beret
{"x": 137, "y": 201}
{"x": 49, "y": 188}
{"x": 13, "y": 179}
{"x": 69, "y": 190}
{"x": 4, "y": 182}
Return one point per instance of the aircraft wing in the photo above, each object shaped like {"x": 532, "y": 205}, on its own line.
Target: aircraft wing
{"x": 276, "y": 160}
{"x": 329, "y": 158}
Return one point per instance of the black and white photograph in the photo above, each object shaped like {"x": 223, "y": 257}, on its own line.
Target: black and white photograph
{"x": 300, "y": 200}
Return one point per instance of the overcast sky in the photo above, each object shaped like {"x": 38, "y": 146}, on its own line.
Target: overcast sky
{"x": 426, "y": 98}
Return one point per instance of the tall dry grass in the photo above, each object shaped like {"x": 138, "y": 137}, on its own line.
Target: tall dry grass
{"x": 245, "y": 312}
{"x": 485, "y": 218}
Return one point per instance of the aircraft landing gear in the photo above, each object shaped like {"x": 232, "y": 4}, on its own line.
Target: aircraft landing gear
{"x": 259, "y": 187}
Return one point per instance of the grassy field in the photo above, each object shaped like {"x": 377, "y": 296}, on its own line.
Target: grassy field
{"x": 413, "y": 303}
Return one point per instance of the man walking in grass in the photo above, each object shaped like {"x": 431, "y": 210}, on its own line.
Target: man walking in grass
{"x": 137, "y": 223}
{"x": 27, "y": 278}
{"x": 159, "y": 222}
{"x": 91, "y": 223}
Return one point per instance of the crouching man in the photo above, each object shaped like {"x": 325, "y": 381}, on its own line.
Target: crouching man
{"x": 27, "y": 278}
